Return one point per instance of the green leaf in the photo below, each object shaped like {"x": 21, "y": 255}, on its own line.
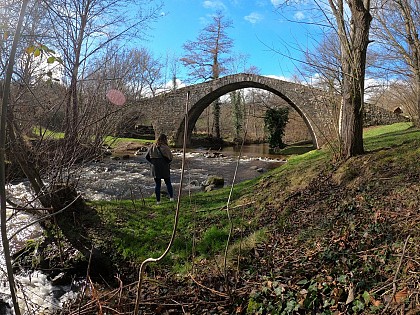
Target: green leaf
{"x": 51, "y": 59}
{"x": 46, "y": 49}
{"x": 37, "y": 52}
{"x": 358, "y": 306}
{"x": 278, "y": 291}
{"x": 366, "y": 297}
{"x": 30, "y": 49}
{"x": 342, "y": 279}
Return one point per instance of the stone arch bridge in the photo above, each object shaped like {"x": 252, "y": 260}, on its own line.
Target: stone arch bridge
{"x": 167, "y": 111}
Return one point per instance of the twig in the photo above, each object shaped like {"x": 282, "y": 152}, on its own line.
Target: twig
{"x": 87, "y": 277}
{"x": 228, "y": 211}
{"x": 43, "y": 218}
{"x": 96, "y": 297}
{"x": 209, "y": 289}
{"x": 394, "y": 285}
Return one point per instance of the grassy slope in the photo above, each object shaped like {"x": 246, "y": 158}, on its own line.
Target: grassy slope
{"x": 310, "y": 236}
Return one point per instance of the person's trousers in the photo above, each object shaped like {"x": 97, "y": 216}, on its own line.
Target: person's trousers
{"x": 158, "y": 182}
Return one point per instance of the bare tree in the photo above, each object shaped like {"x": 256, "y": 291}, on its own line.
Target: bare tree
{"x": 80, "y": 32}
{"x": 208, "y": 56}
{"x": 322, "y": 68}
{"x": 136, "y": 73}
{"x": 353, "y": 33}
{"x": 350, "y": 20}
{"x": 323, "y": 65}
{"x": 396, "y": 33}
{"x": 5, "y": 95}
{"x": 34, "y": 100}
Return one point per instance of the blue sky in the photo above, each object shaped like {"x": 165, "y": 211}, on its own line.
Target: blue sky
{"x": 257, "y": 28}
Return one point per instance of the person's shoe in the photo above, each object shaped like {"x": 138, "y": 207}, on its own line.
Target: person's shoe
{"x": 158, "y": 202}
{"x": 171, "y": 199}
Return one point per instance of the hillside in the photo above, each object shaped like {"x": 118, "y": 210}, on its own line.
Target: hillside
{"x": 314, "y": 236}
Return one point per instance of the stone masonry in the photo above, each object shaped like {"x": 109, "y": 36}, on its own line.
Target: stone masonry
{"x": 168, "y": 111}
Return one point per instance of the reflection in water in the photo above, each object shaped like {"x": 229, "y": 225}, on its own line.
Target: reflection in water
{"x": 253, "y": 150}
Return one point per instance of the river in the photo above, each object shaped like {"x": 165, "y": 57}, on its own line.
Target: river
{"x": 121, "y": 178}
{"x": 130, "y": 178}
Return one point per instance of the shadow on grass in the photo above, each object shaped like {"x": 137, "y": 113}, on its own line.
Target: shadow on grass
{"x": 391, "y": 139}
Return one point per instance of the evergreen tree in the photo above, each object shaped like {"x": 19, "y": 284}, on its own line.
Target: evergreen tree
{"x": 275, "y": 121}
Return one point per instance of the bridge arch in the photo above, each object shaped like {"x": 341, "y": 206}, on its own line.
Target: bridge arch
{"x": 198, "y": 108}
{"x": 167, "y": 111}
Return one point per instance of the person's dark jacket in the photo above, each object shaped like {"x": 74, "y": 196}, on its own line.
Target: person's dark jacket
{"x": 160, "y": 157}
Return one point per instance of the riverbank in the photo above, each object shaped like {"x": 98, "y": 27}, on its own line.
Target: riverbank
{"x": 310, "y": 236}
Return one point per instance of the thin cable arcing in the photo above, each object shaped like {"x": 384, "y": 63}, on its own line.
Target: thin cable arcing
{"x": 229, "y": 199}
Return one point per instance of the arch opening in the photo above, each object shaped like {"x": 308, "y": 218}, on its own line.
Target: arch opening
{"x": 199, "y": 106}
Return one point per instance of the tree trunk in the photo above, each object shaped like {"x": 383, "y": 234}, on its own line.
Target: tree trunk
{"x": 417, "y": 122}
{"x": 5, "y": 98}
{"x": 72, "y": 109}
{"x": 216, "y": 114}
{"x": 353, "y": 50}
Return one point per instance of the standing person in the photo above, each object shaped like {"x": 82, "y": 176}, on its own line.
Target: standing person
{"x": 160, "y": 156}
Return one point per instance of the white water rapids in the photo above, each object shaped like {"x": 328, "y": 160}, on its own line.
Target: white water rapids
{"x": 109, "y": 180}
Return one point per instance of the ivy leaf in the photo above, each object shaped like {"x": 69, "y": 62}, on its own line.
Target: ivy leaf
{"x": 37, "y": 52}
{"x": 366, "y": 297}
{"x": 302, "y": 282}
{"x": 342, "y": 279}
{"x": 51, "y": 59}
{"x": 358, "y": 306}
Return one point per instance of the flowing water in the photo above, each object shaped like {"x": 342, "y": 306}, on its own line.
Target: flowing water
{"x": 120, "y": 179}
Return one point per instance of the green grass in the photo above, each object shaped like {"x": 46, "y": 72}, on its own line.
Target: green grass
{"x": 389, "y": 136}
{"x": 46, "y": 133}
{"x": 297, "y": 149}
{"x": 386, "y": 129}
{"x": 141, "y": 230}
{"x": 113, "y": 141}
{"x": 108, "y": 140}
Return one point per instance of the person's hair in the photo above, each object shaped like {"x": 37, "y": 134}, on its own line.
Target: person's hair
{"x": 163, "y": 139}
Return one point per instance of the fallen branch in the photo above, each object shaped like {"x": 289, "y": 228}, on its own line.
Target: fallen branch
{"x": 209, "y": 289}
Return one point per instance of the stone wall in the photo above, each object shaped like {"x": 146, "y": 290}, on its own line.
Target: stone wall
{"x": 375, "y": 115}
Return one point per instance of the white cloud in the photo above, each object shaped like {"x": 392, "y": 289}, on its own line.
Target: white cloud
{"x": 261, "y": 3}
{"x": 254, "y": 17}
{"x": 214, "y": 4}
{"x": 278, "y": 77}
{"x": 168, "y": 86}
{"x": 299, "y": 15}
{"x": 276, "y": 3}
